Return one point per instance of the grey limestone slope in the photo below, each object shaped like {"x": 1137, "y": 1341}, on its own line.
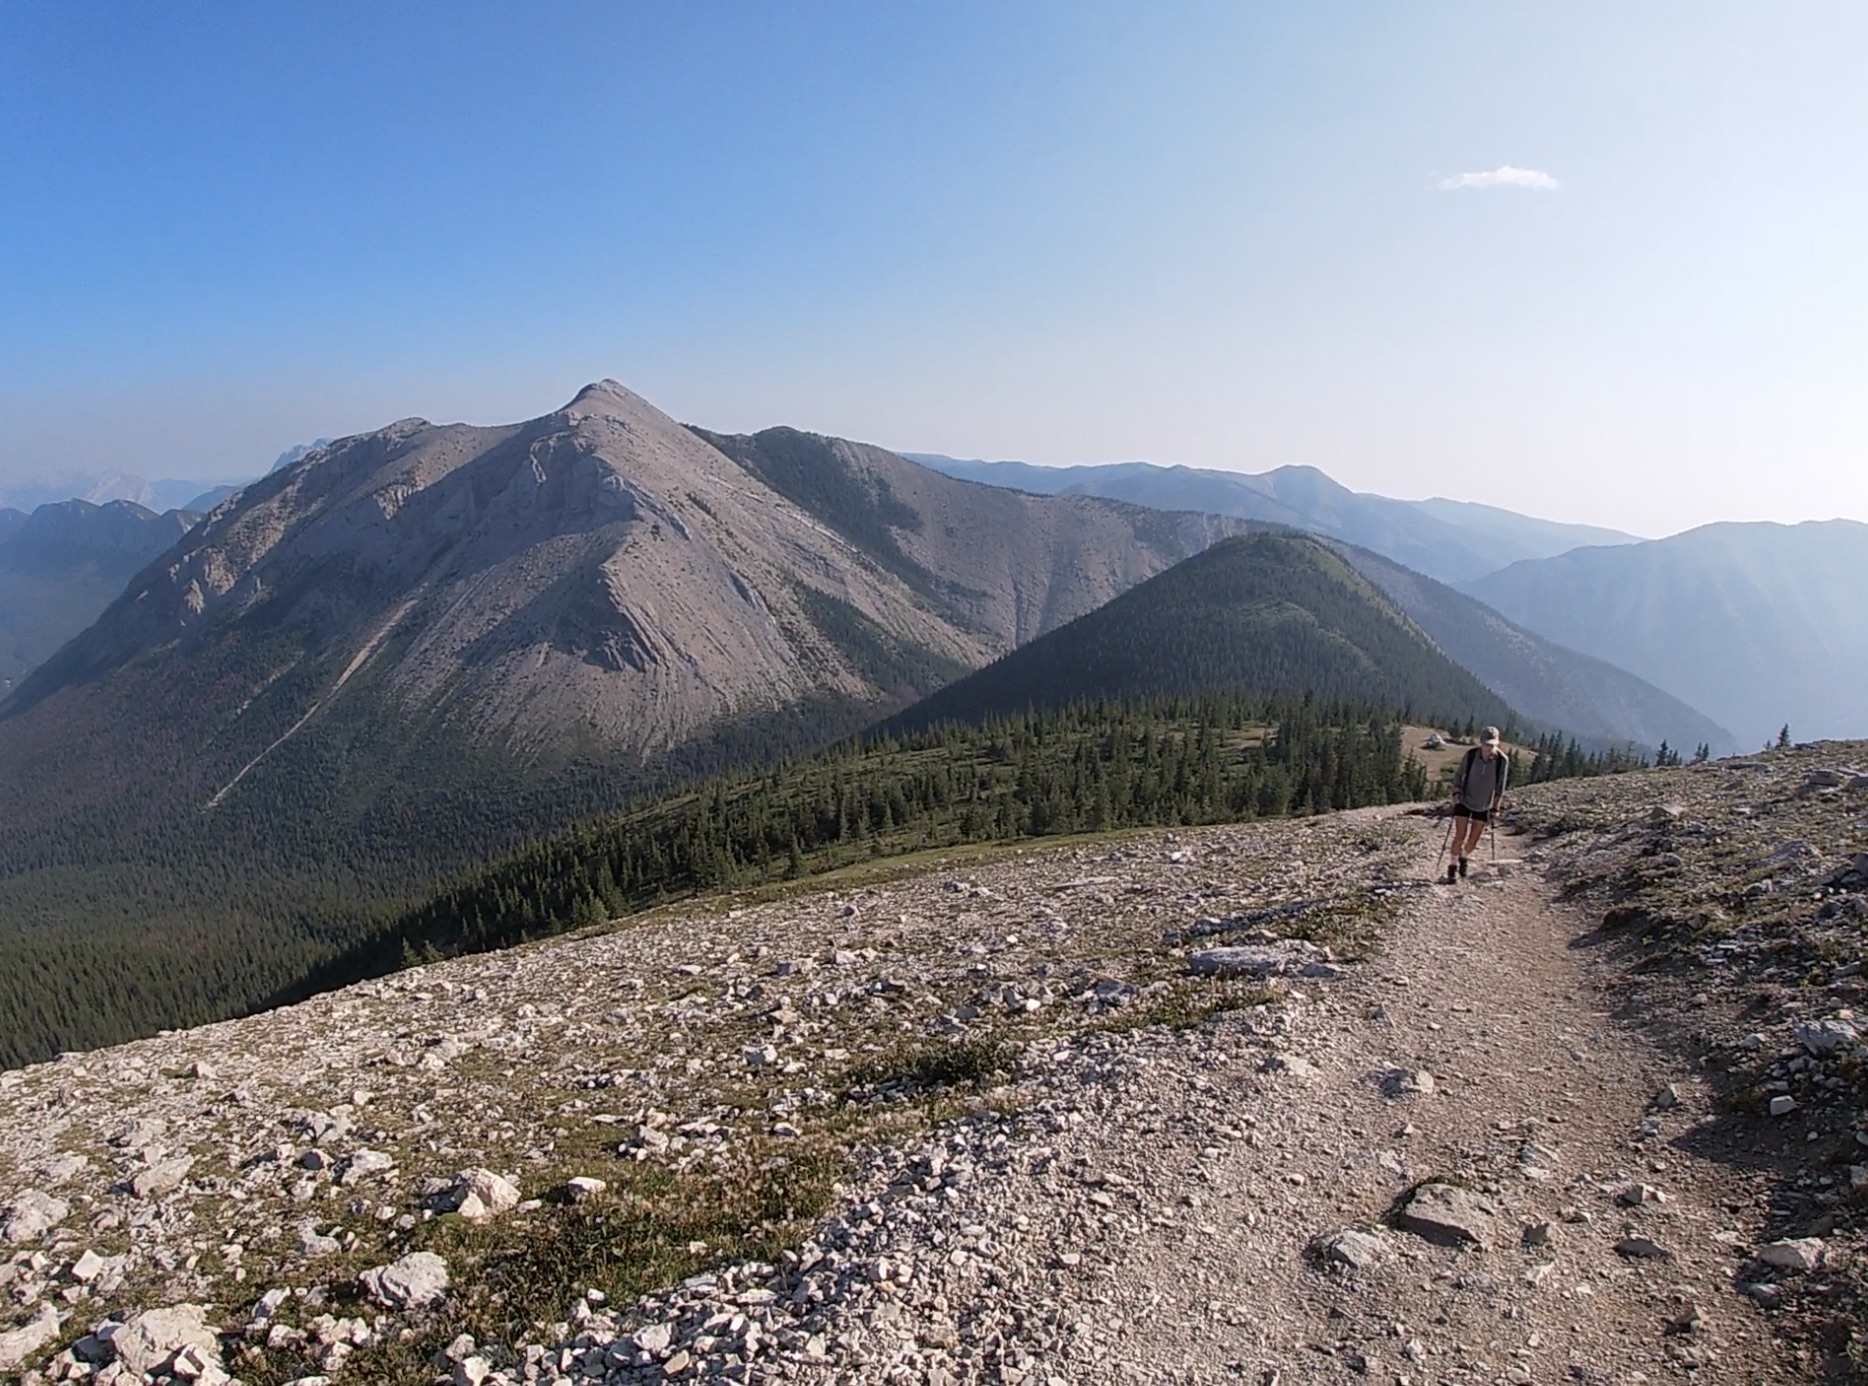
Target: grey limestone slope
{"x": 598, "y": 572}
{"x": 1760, "y": 624}
{"x": 1008, "y": 564}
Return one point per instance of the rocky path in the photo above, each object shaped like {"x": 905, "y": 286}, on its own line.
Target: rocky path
{"x": 1449, "y": 1165}
{"x": 1478, "y": 1050}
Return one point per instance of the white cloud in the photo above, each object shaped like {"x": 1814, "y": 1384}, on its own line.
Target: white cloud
{"x": 1502, "y": 177}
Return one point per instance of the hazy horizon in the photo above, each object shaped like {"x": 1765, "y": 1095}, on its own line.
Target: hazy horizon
{"x": 1592, "y": 265}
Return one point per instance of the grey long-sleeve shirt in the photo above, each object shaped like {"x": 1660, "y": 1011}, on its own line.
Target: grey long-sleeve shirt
{"x": 1481, "y": 782}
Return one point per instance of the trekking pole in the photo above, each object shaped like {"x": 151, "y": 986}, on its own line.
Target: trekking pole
{"x": 1445, "y": 842}
{"x": 1492, "y": 833}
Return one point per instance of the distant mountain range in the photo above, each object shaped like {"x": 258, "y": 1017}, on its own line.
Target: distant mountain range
{"x": 1553, "y": 685}
{"x": 172, "y": 493}
{"x": 1759, "y": 624}
{"x": 1394, "y": 544}
{"x": 63, "y": 564}
{"x": 1454, "y": 541}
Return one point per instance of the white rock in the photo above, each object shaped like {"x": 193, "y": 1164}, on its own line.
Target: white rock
{"x": 1783, "y": 1104}
{"x": 654, "y": 1339}
{"x": 1825, "y": 1037}
{"x": 147, "y": 1341}
{"x": 314, "y": 1243}
{"x": 1252, "y": 960}
{"x": 1292, "y": 1065}
{"x": 19, "y": 1345}
{"x": 1352, "y": 1247}
{"x": 582, "y": 1188}
{"x": 479, "y": 1195}
{"x": 163, "y": 1178}
{"x": 416, "y": 1281}
{"x": 362, "y": 1165}
{"x": 1793, "y": 1254}
{"x": 32, "y": 1215}
{"x": 192, "y": 1364}
{"x": 87, "y": 1267}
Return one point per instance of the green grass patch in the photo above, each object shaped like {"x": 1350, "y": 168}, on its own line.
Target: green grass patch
{"x": 514, "y": 1278}
{"x": 921, "y": 1068}
{"x": 1186, "y": 1008}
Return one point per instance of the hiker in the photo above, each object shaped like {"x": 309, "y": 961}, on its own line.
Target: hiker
{"x": 1478, "y": 790}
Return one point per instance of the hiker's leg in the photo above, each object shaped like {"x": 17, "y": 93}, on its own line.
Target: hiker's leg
{"x": 1465, "y": 833}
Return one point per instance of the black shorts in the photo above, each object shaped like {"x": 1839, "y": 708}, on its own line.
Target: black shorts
{"x": 1482, "y": 815}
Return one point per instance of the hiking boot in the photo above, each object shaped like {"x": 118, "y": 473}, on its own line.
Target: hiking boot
{"x": 1462, "y": 868}
{"x": 1452, "y": 873}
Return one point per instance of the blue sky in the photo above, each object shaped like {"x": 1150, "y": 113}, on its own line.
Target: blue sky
{"x": 1230, "y": 235}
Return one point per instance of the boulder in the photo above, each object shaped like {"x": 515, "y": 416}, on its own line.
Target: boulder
{"x": 149, "y": 1341}
{"x": 1448, "y": 1213}
{"x": 1825, "y": 1037}
{"x": 1801, "y": 1254}
{"x": 417, "y": 1281}
{"x": 1353, "y": 1247}
{"x": 479, "y": 1195}
{"x": 362, "y": 1165}
{"x": 19, "y": 1345}
{"x": 163, "y": 1178}
{"x": 1253, "y": 960}
{"x": 32, "y": 1215}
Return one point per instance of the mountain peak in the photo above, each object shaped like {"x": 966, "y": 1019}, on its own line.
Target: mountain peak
{"x": 601, "y": 398}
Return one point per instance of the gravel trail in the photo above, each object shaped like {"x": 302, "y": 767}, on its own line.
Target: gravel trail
{"x": 1536, "y": 1101}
